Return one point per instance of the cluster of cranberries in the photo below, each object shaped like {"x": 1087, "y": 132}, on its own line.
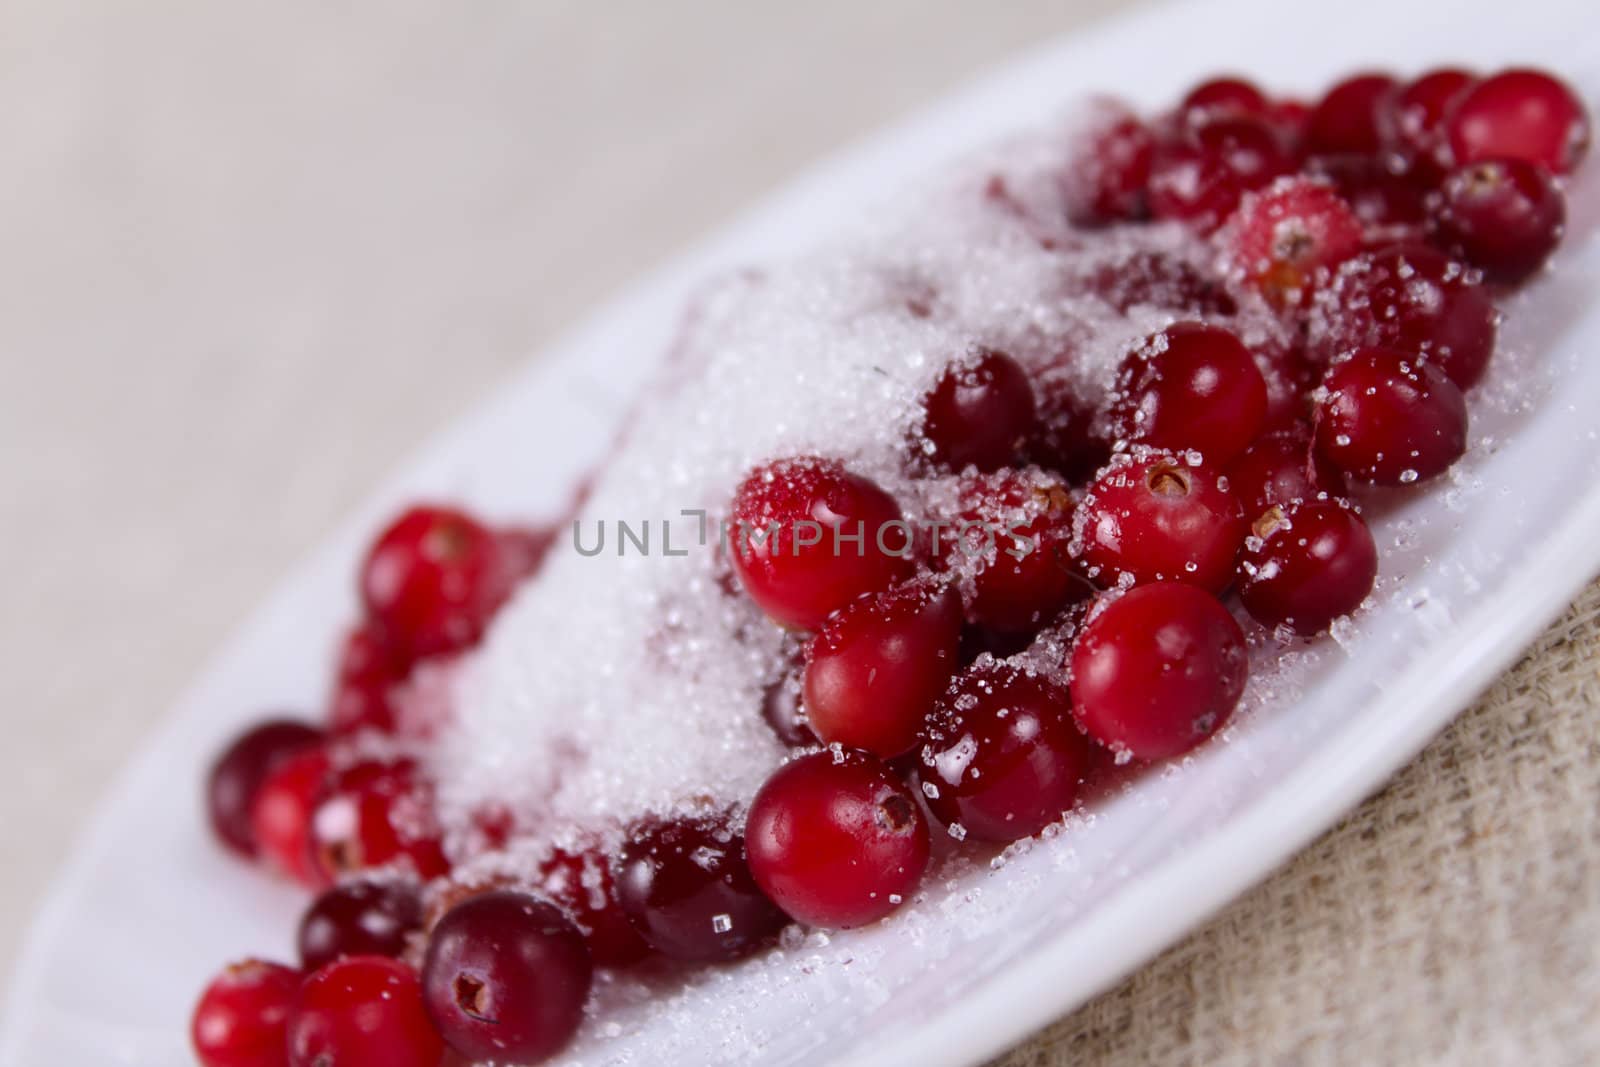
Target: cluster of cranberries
{"x": 968, "y": 678}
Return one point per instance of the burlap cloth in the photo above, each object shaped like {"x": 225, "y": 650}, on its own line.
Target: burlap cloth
{"x": 1454, "y": 918}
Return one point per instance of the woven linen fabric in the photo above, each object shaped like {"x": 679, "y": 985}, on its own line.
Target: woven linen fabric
{"x": 1453, "y": 918}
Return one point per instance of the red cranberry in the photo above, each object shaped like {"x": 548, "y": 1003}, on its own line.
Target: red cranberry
{"x": 980, "y": 412}
{"x": 1001, "y": 755}
{"x": 1157, "y": 670}
{"x": 877, "y": 666}
{"x": 1157, "y": 517}
{"x": 280, "y": 817}
{"x": 581, "y": 883}
{"x": 1200, "y": 179}
{"x": 1413, "y": 299}
{"x": 433, "y": 580}
{"x": 240, "y": 1019}
{"x": 238, "y": 772}
{"x": 506, "y": 978}
{"x": 1010, "y": 540}
{"x": 1285, "y": 240}
{"x": 1154, "y": 279}
{"x": 358, "y": 919}
{"x": 1387, "y": 419}
{"x": 1503, "y": 216}
{"x": 1222, "y": 97}
{"x": 1110, "y": 169}
{"x": 1307, "y": 565}
{"x": 1190, "y": 386}
{"x": 360, "y": 1011}
{"x": 836, "y": 840}
{"x": 686, "y": 886}
{"x": 375, "y": 814}
{"x": 1281, "y": 469}
{"x": 1521, "y": 114}
{"x": 1381, "y": 198}
{"x": 1346, "y": 119}
{"x": 1412, "y": 120}
{"x": 810, "y": 537}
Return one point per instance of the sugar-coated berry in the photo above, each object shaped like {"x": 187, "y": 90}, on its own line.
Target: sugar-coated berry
{"x": 1307, "y": 565}
{"x": 358, "y": 919}
{"x": 359, "y": 1012}
{"x": 980, "y": 412}
{"x": 241, "y": 1017}
{"x": 1110, "y": 171}
{"x": 1521, "y": 114}
{"x": 238, "y": 773}
{"x": 1285, "y": 240}
{"x": 377, "y": 814}
{"x": 1191, "y": 386}
{"x": 1199, "y": 178}
{"x": 1157, "y": 670}
{"x": 1504, "y": 216}
{"x": 1388, "y": 419}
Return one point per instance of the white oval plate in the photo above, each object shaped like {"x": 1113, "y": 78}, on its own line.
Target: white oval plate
{"x": 148, "y": 908}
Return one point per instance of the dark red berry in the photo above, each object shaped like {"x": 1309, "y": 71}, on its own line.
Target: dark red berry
{"x": 1503, "y": 216}
{"x": 685, "y": 885}
{"x": 1413, "y": 119}
{"x": 1346, "y": 119}
{"x": 580, "y": 882}
{"x": 1222, "y": 97}
{"x": 1382, "y": 199}
{"x": 1286, "y": 240}
{"x": 1157, "y": 670}
{"x": 1110, "y": 169}
{"x": 836, "y": 840}
{"x": 506, "y": 978}
{"x": 240, "y": 1019}
{"x": 280, "y": 817}
{"x": 361, "y": 1011}
{"x": 358, "y": 919}
{"x": 1190, "y": 386}
{"x": 875, "y": 668}
{"x": 1200, "y": 178}
{"x": 1001, "y": 755}
{"x": 1156, "y": 517}
{"x": 1281, "y": 469}
{"x": 1387, "y": 419}
{"x": 1521, "y": 114}
{"x": 1307, "y": 565}
{"x": 377, "y": 814}
{"x": 238, "y": 773}
{"x": 980, "y": 412}
{"x": 433, "y": 580}
{"x": 809, "y": 537}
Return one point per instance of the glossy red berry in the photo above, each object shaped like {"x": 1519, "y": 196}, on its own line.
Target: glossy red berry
{"x": 876, "y": 667}
{"x": 238, "y": 773}
{"x": 980, "y": 412}
{"x": 686, "y": 887}
{"x": 1413, "y": 119}
{"x": 1157, "y": 517}
{"x": 1307, "y": 565}
{"x": 1222, "y": 97}
{"x": 1200, "y": 178}
{"x": 377, "y": 814}
{"x": 1286, "y": 240}
{"x": 836, "y": 840}
{"x": 1347, "y": 118}
{"x": 1190, "y": 386}
{"x": 358, "y": 919}
{"x": 361, "y": 1011}
{"x": 280, "y": 816}
{"x": 1521, "y": 114}
{"x": 1280, "y": 469}
{"x": 241, "y": 1017}
{"x": 505, "y": 978}
{"x": 1109, "y": 172}
{"x": 1504, "y": 216}
{"x": 1157, "y": 670}
{"x": 809, "y": 537}
{"x": 1385, "y": 418}
{"x": 580, "y": 882}
{"x": 1001, "y": 756}
{"x": 433, "y": 580}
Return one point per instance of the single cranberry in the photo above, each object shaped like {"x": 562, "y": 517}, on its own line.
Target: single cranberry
{"x": 358, "y": 919}
{"x": 1157, "y": 670}
{"x": 1155, "y": 517}
{"x": 360, "y": 1011}
{"x": 1281, "y": 469}
{"x": 876, "y": 667}
{"x": 506, "y": 978}
{"x": 1190, "y": 386}
{"x": 980, "y": 412}
{"x": 836, "y": 840}
{"x": 1503, "y": 216}
{"x": 1381, "y": 198}
{"x": 1223, "y": 97}
{"x": 433, "y": 580}
{"x": 1388, "y": 419}
{"x": 685, "y": 885}
{"x": 1286, "y": 239}
{"x": 240, "y": 1019}
{"x": 1521, "y": 114}
{"x": 1156, "y": 280}
{"x": 1009, "y": 541}
{"x": 1110, "y": 169}
{"x": 580, "y": 882}
{"x": 525, "y": 549}
{"x": 280, "y": 816}
{"x": 1346, "y": 119}
{"x": 809, "y": 537}
{"x": 1307, "y": 565}
{"x": 1414, "y": 299}
{"x": 1200, "y": 178}
{"x": 1412, "y": 120}
{"x": 238, "y": 772}
{"x": 376, "y": 814}
{"x": 1001, "y": 755}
